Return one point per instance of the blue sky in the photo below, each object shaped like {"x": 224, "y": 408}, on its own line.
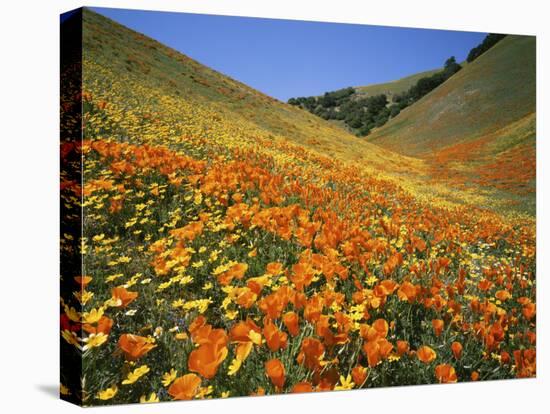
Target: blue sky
{"x": 286, "y": 58}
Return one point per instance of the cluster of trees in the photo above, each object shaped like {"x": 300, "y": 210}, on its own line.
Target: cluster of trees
{"x": 359, "y": 114}
{"x": 362, "y": 114}
{"x": 426, "y": 84}
{"x": 490, "y": 40}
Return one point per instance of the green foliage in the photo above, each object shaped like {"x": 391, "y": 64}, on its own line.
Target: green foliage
{"x": 427, "y": 84}
{"x": 490, "y": 40}
{"x": 360, "y": 114}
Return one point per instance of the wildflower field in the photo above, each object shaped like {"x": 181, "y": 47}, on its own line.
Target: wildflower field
{"x": 222, "y": 259}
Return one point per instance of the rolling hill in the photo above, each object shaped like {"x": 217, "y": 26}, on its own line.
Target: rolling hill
{"x": 168, "y": 83}
{"x": 479, "y": 126}
{"x": 219, "y": 243}
{"x": 180, "y": 77}
{"x": 393, "y": 87}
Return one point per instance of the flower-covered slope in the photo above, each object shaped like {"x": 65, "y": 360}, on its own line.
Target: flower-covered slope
{"x": 222, "y": 257}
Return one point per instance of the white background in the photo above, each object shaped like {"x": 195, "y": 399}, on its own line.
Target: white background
{"x": 29, "y": 333}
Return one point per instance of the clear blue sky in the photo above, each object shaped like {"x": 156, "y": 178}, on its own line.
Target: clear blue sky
{"x": 286, "y": 58}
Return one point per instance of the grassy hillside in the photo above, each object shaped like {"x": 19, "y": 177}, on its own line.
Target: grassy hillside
{"x": 495, "y": 90}
{"x": 180, "y": 77}
{"x": 479, "y": 126}
{"x": 394, "y": 87}
{"x": 232, "y": 245}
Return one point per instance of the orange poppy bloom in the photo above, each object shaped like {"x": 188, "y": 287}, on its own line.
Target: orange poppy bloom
{"x": 456, "y": 347}
{"x": 274, "y": 268}
{"x": 134, "y": 346}
{"x": 377, "y": 350}
{"x": 185, "y": 387}
{"x": 197, "y": 323}
{"x": 485, "y": 285}
{"x": 407, "y": 291}
{"x": 206, "y": 359}
{"x": 402, "y": 347}
{"x": 245, "y": 297}
{"x": 292, "y": 323}
{"x": 276, "y": 372}
{"x": 124, "y": 296}
{"x": 426, "y": 354}
{"x": 241, "y": 330}
{"x": 474, "y": 376}
{"x": 359, "y": 374}
{"x": 311, "y": 353}
{"x": 503, "y": 295}
{"x": 302, "y": 275}
{"x": 210, "y": 354}
{"x": 438, "y": 325}
{"x": 103, "y": 326}
{"x": 381, "y": 327}
{"x": 313, "y": 308}
{"x": 83, "y": 280}
{"x": 237, "y": 271}
{"x": 302, "y": 387}
{"x": 529, "y": 310}
{"x": 445, "y": 373}
{"x": 273, "y": 304}
{"x": 275, "y": 339}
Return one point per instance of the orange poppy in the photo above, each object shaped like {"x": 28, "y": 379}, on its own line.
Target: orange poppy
{"x": 206, "y": 359}
{"x": 302, "y": 387}
{"x": 402, "y": 348}
{"x": 292, "y": 323}
{"x": 426, "y": 354}
{"x": 103, "y": 326}
{"x": 273, "y": 304}
{"x": 274, "y": 268}
{"x": 237, "y": 271}
{"x": 134, "y": 346}
{"x": 503, "y": 295}
{"x": 377, "y": 350}
{"x": 407, "y": 291}
{"x": 311, "y": 353}
{"x": 359, "y": 374}
{"x": 275, "y": 339}
{"x": 83, "y": 280}
{"x": 210, "y": 354}
{"x": 381, "y": 327}
{"x": 197, "y": 323}
{"x": 302, "y": 275}
{"x": 276, "y": 372}
{"x": 438, "y": 325}
{"x": 474, "y": 376}
{"x": 241, "y": 330}
{"x": 245, "y": 297}
{"x": 529, "y": 310}
{"x": 124, "y": 296}
{"x": 456, "y": 347}
{"x": 445, "y": 373}
{"x": 313, "y": 308}
{"x": 185, "y": 387}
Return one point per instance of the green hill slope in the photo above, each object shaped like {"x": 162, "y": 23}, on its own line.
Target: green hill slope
{"x": 494, "y": 91}
{"x": 479, "y": 127}
{"x": 145, "y": 87}
{"x": 123, "y": 52}
{"x": 393, "y": 87}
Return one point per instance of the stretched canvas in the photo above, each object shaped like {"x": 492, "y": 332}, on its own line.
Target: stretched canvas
{"x": 258, "y": 206}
